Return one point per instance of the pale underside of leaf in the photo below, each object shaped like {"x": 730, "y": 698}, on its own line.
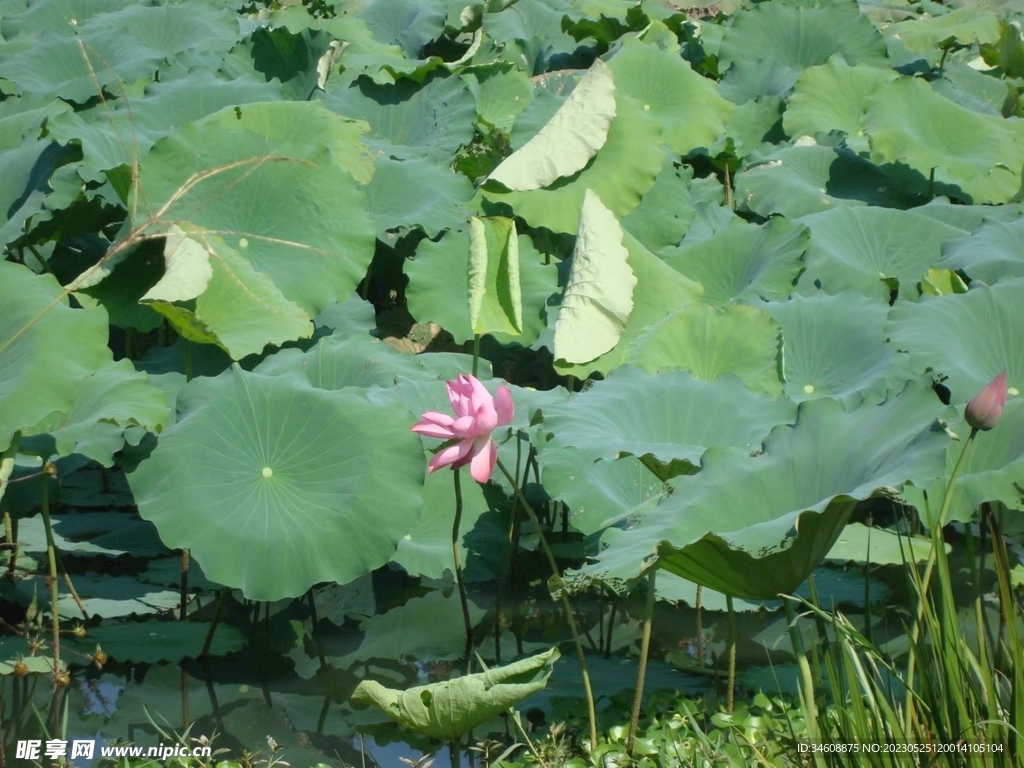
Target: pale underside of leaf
{"x": 569, "y": 140}
{"x": 188, "y": 269}
{"x": 599, "y": 295}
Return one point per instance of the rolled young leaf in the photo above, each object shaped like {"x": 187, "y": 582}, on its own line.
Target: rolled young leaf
{"x": 495, "y": 298}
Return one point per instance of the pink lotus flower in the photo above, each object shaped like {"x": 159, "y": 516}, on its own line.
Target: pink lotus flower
{"x": 987, "y": 406}
{"x": 477, "y": 415}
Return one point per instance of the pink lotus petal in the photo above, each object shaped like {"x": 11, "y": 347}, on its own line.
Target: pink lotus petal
{"x": 434, "y": 424}
{"x": 986, "y": 408}
{"x": 504, "y": 406}
{"x": 464, "y": 427}
{"x": 485, "y": 456}
{"x": 456, "y": 455}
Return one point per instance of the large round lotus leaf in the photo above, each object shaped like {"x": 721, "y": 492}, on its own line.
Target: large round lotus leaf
{"x": 859, "y": 543}
{"x": 801, "y": 37}
{"x": 409, "y": 121}
{"x": 834, "y": 346}
{"x": 104, "y": 405}
{"x": 691, "y": 112}
{"x": 621, "y": 173}
{"x": 358, "y": 360}
{"x": 967, "y": 338}
{"x": 756, "y": 526}
{"x": 833, "y": 97}
{"x": 276, "y": 486}
{"x": 501, "y": 94}
{"x": 708, "y": 342}
{"x": 978, "y": 157}
{"x": 46, "y": 349}
{"x": 966, "y": 26}
{"x": 993, "y": 471}
{"x": 855, "y": 248}
{"x": 275, "y": 260}
{"x": 118, "y": 133}
{"x": 799, "y": 180}
{"x": 410, "y": 24}
{"x": 664, "y": 213}
{"x": 119, "y": 47}
{"x": 744, "y": 261}
{"x": 670, "y": 418}
{"x": 599, "y": 493}
{"x": 438, "y": 290}
{"x": 416, "y": 192}
{"x": 991, "y": 254}
{"x": 531, "y": 31}
{"x": 659, "y": 290}
{"x": 970, "y": 88}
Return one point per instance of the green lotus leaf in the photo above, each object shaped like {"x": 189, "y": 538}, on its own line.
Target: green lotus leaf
{"x": 416, "y": 192}
{"x": 219, "y": 180}
{"x": 104, "y": 405}
{"x": 708, "y": 342}
{"x": 835, "y": 346}
{"x": 155, "y": 640}
{"x": 965, "y": 339}
{"x": 449, "y": 709}
{"x": 102, "y": 594}
{"x": 46, "y": 349}
{"x": 275, "y": 485}
{"x": 967, "y": 26}
{"x": 628, "y": 415}
{"x": 756, "y": 526}
{"x": 621, "y": 173}
{"x": 859, "y": 543}
{"x": 93, "y": 534}
{"x": 799, "y": 180}
{"x": 977, "y": 156}
{"x": 833, "y": 97}
{"x": 495, "y": 296}
{"x": 125, "y": 45}
{"x": 664, "y": 213}
{"x": 744, "y": 261}
{"x": 568, "y": 141}
{"x": 990, "y": 254}
{"x": 991, "y": 473}
{"x": 1007, "y": 52}
{"x": 599, "y": 293}
{"x": 407, "y": 120}
{"x": 410, "y": 24}
{"x": 360, "y": 360}
{"x": 659, "y": 290}
{"x": 118, "y": 133}
{"x": 427, "y": 627}
{"x": 691, "y": 112}
{"x": 749, "y": 126}
{"x": 438, "y": 291}
{"x": 966, "y": 217}
{"x": 975, "y": 90}
{"x": 531, "y": 31}
{"x": 856, "y": 248}
{"x": 600, "y": 493}
{"x": 501, "y": 92}
{"x": 766, "y": 48}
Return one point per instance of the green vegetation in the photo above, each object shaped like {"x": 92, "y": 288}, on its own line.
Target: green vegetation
{"x": 751, "y": 271}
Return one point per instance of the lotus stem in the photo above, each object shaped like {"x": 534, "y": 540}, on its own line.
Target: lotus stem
{"x": 645, "y": 647}
{"x": 52, "y": 578}
{"x": 729, "y": 696}
{"x": 699, "y": 607}
{"x": 588, "y": 691}
{"x": 476, "y": 353}
{"x": 458, "y": 561}
{"x": 936, "y": 526}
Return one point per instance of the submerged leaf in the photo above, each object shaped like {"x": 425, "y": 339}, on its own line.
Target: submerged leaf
{"x": 448, "y": 709}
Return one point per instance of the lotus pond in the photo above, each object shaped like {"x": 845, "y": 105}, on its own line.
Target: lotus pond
{"x": 509, "y": 351}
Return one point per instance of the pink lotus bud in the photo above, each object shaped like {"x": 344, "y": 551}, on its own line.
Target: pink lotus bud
{"x": 984, "y": 410}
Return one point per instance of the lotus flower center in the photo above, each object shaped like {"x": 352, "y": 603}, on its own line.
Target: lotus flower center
{"x": 267, "y": 472}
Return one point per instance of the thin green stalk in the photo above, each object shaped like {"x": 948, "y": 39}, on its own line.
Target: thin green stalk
{"x": 699, "y": 608}
{"x": 732, "y": 653}
{"x": 476, "y": 353}
{"x": 52, "y": 578}
{"x": 587, "y": 690}
{"x": 458, "y": 561}
{"x": 645, "y": 647}
{"x": 806, "y": 679}
{"x": 936, "y": 526}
